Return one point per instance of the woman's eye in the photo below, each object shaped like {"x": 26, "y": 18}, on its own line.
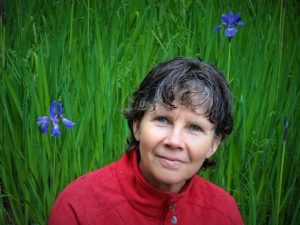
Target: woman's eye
{"x": 162, "y": 119}
{"x": 196, "y": 128}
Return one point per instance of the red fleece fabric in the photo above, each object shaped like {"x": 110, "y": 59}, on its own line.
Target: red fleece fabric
{"x": 117, "y": 194}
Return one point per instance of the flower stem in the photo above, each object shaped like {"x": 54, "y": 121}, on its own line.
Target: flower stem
{"x": 230, "y": 159}
{"x": 229, "y": 61}
{"x": 280, "y": 172}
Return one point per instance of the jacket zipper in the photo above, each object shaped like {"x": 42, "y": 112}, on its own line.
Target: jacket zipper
{"x": 172, "y": 209}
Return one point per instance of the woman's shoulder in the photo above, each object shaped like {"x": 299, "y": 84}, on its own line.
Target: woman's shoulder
{"x": 95, "y": 178}
{"x": 210, "y": 191}
{"x": 88, "y": 197}
{"x": 93, "y": 188}
{"x": 207, "y": 195}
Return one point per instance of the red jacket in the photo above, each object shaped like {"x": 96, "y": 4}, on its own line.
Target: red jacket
{"x": 118, "y": 194}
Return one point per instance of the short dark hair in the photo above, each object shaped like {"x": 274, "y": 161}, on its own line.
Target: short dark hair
{"x": 190, "y": 82}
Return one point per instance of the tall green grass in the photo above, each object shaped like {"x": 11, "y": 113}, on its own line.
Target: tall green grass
{"x": 91, "y": 55}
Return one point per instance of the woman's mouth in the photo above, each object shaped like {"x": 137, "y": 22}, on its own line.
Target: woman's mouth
{"x": 170, "y": 162}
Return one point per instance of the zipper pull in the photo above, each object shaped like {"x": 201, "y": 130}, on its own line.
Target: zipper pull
{"x": 172, "y": 209}
{"x": 174, "y": 219}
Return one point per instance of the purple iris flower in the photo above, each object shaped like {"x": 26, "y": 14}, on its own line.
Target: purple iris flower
{"x": 55, "y": 112}
{"x": 231, "y": 22}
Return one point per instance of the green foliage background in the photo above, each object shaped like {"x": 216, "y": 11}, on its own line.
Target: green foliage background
{"x": 91, "y": 55}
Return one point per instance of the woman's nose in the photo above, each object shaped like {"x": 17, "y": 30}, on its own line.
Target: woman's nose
{"x": 174, "y": 139}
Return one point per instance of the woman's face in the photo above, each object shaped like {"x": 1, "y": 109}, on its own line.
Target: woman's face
{"x": 173, "y": 145}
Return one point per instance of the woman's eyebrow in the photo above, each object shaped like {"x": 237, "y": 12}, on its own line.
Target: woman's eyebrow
{"x": 160, "y": 108}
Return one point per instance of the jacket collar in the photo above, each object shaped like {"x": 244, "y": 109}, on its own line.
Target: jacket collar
{"x": 143, "y": 196}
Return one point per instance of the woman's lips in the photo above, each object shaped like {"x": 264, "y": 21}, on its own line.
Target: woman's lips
{"x": 170, "y": 162}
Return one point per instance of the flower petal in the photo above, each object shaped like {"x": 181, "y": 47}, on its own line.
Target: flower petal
{"x": 217, "y": 28}
{"x": 59, "y": 109}
{"x": 43, "y": 120}
{"x": 237, "y": 18}
{"x": 67, "y": 123}
{"x": 225, "y": 18}
{"x": 44, "y": 128}
{"x": 52, "y": 109}
{"x": 230, "y": 31}
{"x": 241, "y": 23}
{"x": 55, "y": 130}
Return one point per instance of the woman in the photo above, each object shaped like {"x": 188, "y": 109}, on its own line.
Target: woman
{"x": 179, "y": 115}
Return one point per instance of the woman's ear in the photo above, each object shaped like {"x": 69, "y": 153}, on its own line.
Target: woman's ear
{"x": 214, "y": 147}
{"x": 136, "y": 130}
